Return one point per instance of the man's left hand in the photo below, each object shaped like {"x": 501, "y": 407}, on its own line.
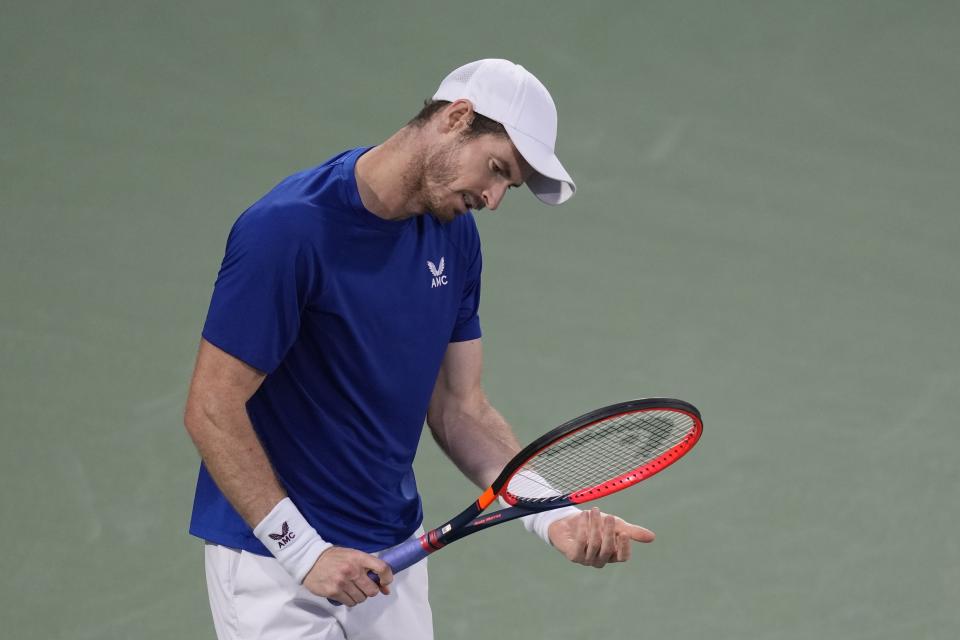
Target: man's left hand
{"x": 594, "y": 538}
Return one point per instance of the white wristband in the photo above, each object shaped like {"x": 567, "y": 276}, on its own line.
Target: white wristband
{"x": 291, "y": 539}
{"x": 539, "y": 523}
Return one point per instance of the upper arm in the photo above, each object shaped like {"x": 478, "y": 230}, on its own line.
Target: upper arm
{"x": 270, "y": 272}
{"x": 220, "y": 381}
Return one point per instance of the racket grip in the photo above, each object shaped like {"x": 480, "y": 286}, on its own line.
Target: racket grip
{"x": 404, "y": 554}
{"x": 399, "y": 558}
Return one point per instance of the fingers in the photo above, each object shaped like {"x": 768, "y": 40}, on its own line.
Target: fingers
{"x": 602, "y": 532}
{"x": 623, "y": 548}
{"x": 348, "y": 576}
{"x": 608, "y": 545}
{"x": 591, "y": 536}
{"x": 605, "y": 538}
{"x": 384, "y": 574}
{"x": 598, "y": 542}
{"x": 350, "y": 595}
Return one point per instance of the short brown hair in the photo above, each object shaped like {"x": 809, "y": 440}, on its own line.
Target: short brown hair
{"x": 479, "y": 126}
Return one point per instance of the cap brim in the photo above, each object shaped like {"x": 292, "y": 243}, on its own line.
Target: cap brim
{"x": 550, "y": 182}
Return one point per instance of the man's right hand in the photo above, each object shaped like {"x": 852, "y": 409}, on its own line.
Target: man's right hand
{"x": 341, "y": 574}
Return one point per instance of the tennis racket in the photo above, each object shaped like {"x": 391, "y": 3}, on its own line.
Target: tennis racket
{"x": 589, "y": 457}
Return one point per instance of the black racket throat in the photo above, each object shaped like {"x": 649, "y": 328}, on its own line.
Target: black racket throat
{"x": 472, "y": 520}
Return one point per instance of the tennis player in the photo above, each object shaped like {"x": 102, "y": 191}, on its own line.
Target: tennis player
{"x": 344, "y": 313}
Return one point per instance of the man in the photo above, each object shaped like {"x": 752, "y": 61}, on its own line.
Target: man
{"x": 345, "y": 312}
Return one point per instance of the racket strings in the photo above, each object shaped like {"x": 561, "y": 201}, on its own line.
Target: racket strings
{"x": 598, "y": 453}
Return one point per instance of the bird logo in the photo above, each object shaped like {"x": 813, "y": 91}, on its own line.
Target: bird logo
{"x": 285, "y": 536}
{"x": 439, "y": 279}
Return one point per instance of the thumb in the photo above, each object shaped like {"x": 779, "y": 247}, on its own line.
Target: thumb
{"x": 635, "y": 532}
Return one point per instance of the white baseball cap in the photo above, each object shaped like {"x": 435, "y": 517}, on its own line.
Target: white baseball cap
{"x": 511, "y": 95}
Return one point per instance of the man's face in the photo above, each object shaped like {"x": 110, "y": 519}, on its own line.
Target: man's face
{"x": 471, "y": 173}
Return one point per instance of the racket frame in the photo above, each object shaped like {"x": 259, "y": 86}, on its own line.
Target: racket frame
{"x": 470, "y": 520}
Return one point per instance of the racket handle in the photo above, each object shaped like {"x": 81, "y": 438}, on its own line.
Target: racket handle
{"x": 404, "y": 554}
{"x": 399, "y": 558}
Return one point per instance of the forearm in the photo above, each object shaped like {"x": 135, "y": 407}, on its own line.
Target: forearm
{"x": 480, "y": 442}
{"x": 475, "y": 437}
{"x": 236, "y": 460}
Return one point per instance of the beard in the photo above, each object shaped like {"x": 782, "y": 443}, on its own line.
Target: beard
{"x": 428, "y": 177}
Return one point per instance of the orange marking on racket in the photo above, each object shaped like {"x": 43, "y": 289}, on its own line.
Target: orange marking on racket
{"x": 486, "y": 498}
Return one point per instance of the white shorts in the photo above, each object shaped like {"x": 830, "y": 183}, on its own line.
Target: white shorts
{"x": 252, "y": 597}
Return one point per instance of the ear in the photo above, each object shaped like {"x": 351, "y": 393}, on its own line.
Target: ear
{"x": 456, "y": 116}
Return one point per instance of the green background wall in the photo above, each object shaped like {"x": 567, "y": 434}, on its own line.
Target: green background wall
{"x": 766, "y": 225}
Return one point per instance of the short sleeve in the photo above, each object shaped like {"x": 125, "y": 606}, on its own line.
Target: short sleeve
{"x": 264, "y": 283}
{"x": 467, "y": 326}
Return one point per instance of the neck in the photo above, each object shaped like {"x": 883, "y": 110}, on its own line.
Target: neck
{"x": 388, "y": 176}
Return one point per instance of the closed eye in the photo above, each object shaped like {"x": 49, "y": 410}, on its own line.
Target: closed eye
{"x": 500, "y": 171}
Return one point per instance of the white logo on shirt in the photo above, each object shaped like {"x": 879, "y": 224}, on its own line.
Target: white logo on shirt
{"x": 437, "y": 272}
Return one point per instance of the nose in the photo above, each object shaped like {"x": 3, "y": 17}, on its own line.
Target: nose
{"x": 493, "y": 196}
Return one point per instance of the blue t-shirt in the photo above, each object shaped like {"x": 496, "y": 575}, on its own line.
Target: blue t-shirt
{"x": 349, "y": 315}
